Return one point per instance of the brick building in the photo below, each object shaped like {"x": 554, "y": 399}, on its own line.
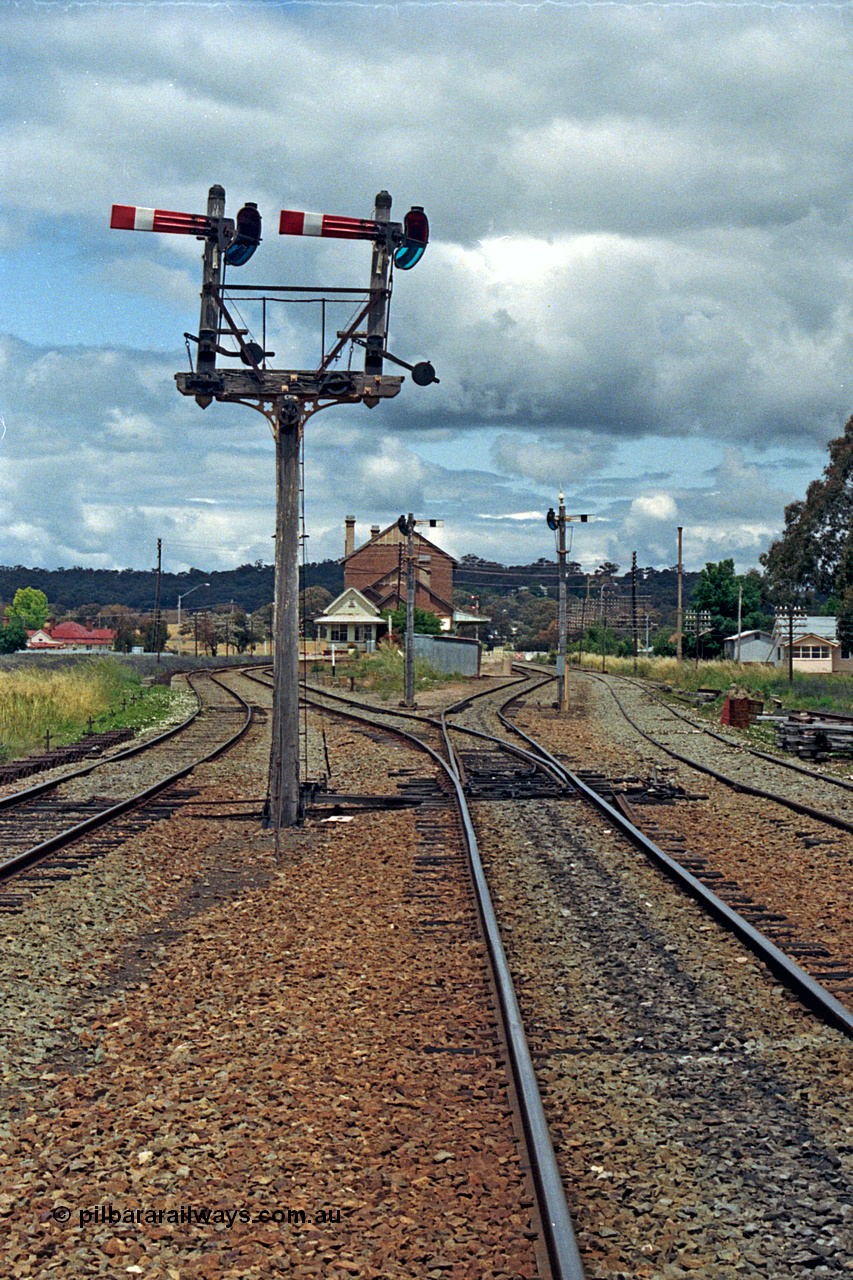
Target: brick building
{"x": 378, "y": 570}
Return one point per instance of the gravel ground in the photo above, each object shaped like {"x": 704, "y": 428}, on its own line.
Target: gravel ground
{"x": 216, "y": 1027}
{"x": 203, "y": 1025}
{"x": 795, "y": 866}
{"x": 702, "y": 1115}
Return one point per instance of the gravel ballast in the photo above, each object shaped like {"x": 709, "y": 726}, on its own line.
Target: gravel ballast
{"x": 202, "y": 1027}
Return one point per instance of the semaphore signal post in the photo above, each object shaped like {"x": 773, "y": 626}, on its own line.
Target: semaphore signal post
{"x": 288, "y": 397}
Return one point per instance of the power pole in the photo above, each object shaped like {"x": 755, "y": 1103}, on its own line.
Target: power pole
{"x": 603, "y": 631}
{"x": 678, "y": 650}
{"x": 157, "y": 641}
{"x": 562, "y": 673}
{"x": 287, "y": 397}
{"x": 634, "y": 605}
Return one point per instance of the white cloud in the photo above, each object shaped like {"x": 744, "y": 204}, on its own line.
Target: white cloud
{"x": 640, "y": 238}
{"x": 655, "y": 506}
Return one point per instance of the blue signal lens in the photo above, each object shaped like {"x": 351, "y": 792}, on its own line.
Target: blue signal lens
{"x": 247, "y": 238}
{"x": 415, "y": 239}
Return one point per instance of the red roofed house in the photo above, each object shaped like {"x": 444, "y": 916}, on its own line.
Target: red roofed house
{"x": 71, "y": 637}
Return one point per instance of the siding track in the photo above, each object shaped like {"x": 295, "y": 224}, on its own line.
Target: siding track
{"x": 124, "y": 792}
{"x": 321, "y": 1023}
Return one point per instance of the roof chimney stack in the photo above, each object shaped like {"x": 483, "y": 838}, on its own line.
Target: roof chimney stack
{"x": 374, "y": 531}
{"x": 349, "y": 540}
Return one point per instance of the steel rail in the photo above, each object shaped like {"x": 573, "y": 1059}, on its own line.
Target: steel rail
{"x": 29, "y": 793}
{"x": 559, "y": 1237}
{"x": 34, "y": 854}
{"x": 793, "y": 765}
{"x": 810, "y": 992}
{"x": 796, "y": 806}
{"x": 441, "y": 724}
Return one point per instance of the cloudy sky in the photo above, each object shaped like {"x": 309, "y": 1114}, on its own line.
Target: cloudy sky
{"x": 638, "y": 285}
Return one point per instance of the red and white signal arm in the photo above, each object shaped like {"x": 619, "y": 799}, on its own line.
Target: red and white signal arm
{"x": 132, "y": 217}
{"x": 294, "y": 222}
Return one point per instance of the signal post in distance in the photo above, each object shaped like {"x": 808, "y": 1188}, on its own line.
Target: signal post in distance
{"x": 557, "y": 522}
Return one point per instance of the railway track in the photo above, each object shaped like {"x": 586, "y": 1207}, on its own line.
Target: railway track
{"x": 735, "y": 842}
{"x": 487, "y": 771}
{"x": 696, "y": 1111}
{"x": 811, "y": 792}
{"x": 50, "y": 829}
{"x": 557, "y": 1251}
{"x": 648, "y": 983}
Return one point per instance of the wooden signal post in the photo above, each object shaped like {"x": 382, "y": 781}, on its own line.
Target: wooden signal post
{"x": 287, "y": 398}
{"x": 557, "y": 522}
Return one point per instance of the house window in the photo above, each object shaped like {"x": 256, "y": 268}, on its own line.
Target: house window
{"x": 338, "y": 635}
{"x": 811, "y": 651}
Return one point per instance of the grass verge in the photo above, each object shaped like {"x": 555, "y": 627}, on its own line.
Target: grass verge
{"x": 806, "y": 693}
{"x": 61, "y": 701}
{"x": 382, "y": 673}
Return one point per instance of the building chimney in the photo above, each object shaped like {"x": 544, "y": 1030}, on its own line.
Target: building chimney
{"x": 349, "y": 541}
{"x": 374, "y": 531}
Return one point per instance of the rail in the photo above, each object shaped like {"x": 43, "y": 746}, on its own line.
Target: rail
{"x": 813, "y": 995}
{"x": 57, "y": 841}
{"x": 559, "y": 1237}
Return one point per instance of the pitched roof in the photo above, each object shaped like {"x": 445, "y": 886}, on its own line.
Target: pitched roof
{"x": 396, "y": 541}
{"x": 74, "y": 631}
{"x": 811, "y": 637}
{"x": 349, "y": 606}
{"x": 41, "y": 640}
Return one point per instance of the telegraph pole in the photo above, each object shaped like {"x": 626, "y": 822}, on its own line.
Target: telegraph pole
{"x": 157, "y": 642}
{"x": 634, "y": 605}
{"x": 678, "y": 651}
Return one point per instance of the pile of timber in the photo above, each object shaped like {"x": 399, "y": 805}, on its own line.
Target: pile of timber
{"x": 810, "y": 736}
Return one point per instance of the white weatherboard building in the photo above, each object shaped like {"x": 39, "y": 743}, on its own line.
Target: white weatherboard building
{"x": 350, "y": 620}
{"x": 816, "y": 647}
{"x": 749, "y": 646}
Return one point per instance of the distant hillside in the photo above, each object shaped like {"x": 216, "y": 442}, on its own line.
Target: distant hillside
{"x": 95, "y": 590}
{"x": 250, "y": 586}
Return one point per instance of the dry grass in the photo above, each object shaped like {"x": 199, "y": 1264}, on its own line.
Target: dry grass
{"x": 807, "y": 692}
{"x": 60, "y": 702}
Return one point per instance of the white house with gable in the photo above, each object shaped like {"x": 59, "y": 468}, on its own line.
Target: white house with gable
{"x": 350, "y": 620}
{"x": 815, "y": 648}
